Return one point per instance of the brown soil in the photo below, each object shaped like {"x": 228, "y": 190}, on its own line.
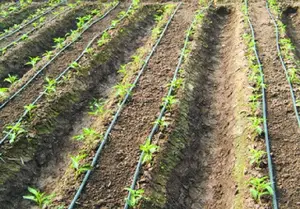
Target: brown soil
{"x": 19, "y": 16}
{"x": 13, "y": 62}
{"x": 283, "y": 129}
{"x": 210, "y": 124}
{"x": 118, "y": 160}
{"x": 46, "y": 161}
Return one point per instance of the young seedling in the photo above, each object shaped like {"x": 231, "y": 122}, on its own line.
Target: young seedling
{"x": 29, "y": 109}
{"x": 122, "y": 89}
{"x": 260, "y": 187}
{"x": 256, "y": 124}
{"x": 24, "y": 37}
{"x": 170, "y": 101}
{"x": 59, "y": 43}
{"x": 256, "y": 156}
{"x": 14, "y": 131}
{"x": 176, "y": 83}
{"x": 48, "y": 54}
{"x": 89, "y": 51}
{"x": 135, "y": 196}
{"x": 33, "y": 61}
{"x": 40, "y": 198}
{"x": 161, "y": 123}
{"x": 148, "y": 150}
{"x": 77, "y": 166}
{"x": 11, "y": 79}
{"x": 74, "y": 65}
{"x": 86, "y": 133}
{"x": 104, "y": 39}
{"x": 50, "y": 87}
{"x": 3, "y": 92}
{"x": 97, "y": 107}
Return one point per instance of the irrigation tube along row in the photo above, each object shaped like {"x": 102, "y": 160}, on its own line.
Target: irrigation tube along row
{"x": 283, "y": 64}
{"x": 32, "y": 30}
{"x": 60, "y": 75}
{"x": 264, "y": 109}
{"x": 163, "y": 110}
{"x": 23, "y": 26}
{"x": 105, "y": 138}
{"x": 53, "y": 58}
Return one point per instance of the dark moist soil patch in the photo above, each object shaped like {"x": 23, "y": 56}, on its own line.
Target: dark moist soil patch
{"x": 115, "y": 170}
{"x": 197, "y": 167}
{"x": 55, "y": 120}
{"x": 283, "y": 129}
{"x": 13, "y": 62}
{"x": 52, "y": 71}
{"x": 19, "y": 16}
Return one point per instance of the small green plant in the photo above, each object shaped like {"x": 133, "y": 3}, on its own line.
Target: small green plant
{"x": 148, "y": 150}
{"x": 122, "y": 89}
{"x": 104, "y": 39}
{"x": 74, "y": 65}
{"x": 176, "y": 83}
{"x": 77, "y": 166}
{"x": 3, "y": 92}
{"x": 86, "y": 133}
{"x": 40, "y": 198}
{"x": 89, "y": 51}
{"x": 48, "y": 54}
{"x": 97, "y": 107}
{"x": 122, "y": 70}
{"x": 170, "y": 101}
{"x": 161, "y": 123}
{"x": 135, "y": 196}
{"x": 11, "y": 79}
{"x": 256, "y": 156}
{"x": 50, "y": 87}
{"x": 29, "y": 109}
{"x": 14, "y": 131}
{"x": 260, "y": 187}
{"x": 256, "y": 124}
{"x": 59, "y": 43}
{"x": 33, "y": 61}
{"x": 24, "y": 37}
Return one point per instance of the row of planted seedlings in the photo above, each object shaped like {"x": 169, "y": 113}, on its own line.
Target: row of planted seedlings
{"x": 9, "y": 8}
{"x": 56, "y": 92}
{"x": 21, "y": 13}
{"x": 286, "y": 52}
{"x": 35, "y": 65}
{"x": 41, "y": 16}
{"x": 261, "y": 179}
{"x": 163, "y": 123}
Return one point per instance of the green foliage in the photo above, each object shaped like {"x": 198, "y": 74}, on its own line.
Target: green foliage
{"x": 256, "y": 156}
{"x": 87, "y": 132}
{"x": 24, "y": 37}
{"x": 135, "y": 196}
{"x": 260, "y": 187}
{"x": 170, "y": 101}
{"x": 78, "y": 166}
{"x": 14, "y": 131}
{"x": 3, "y": 92}
{"x": 97, "y": 107}
{"x": 48, "y": 54}
{"x": 148, "y": 150}
{"x": 74, "y": 65}
{"x": 161, "y": 123}
{"x": 41, "y": 199}
{"x": 122, "y": 89}
{"x": 33, "y": 61}
{"x": 104, "y": 39}
{"x": 11, "y": 79}
{"x": 50, "y": 87}
{"x": 256, "y": 124}
{"x": 59, "y": 42}
{"x": 29, "y": 109}
{"x": 176, "y": 83}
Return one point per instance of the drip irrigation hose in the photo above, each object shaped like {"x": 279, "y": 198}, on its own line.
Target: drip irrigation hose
{"x": 163, "y": 110}
{"x": 105, "y": 138}
{"x": 283, "y": 64}
{"x": 59, "y": 76}
{"x": 23, "y": 26}
{"x": 264, "y": 109}
{"x": 52, "y": 59}
{"x": 31, "y": 31}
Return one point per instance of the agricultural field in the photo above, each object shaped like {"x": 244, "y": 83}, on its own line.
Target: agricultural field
{"x": 148, "y": 104}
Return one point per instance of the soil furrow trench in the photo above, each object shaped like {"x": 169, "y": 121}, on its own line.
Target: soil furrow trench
{"x": 118, "y": 160}
{"x": 212, "y": 127}
{"x": 283, "y": 129}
